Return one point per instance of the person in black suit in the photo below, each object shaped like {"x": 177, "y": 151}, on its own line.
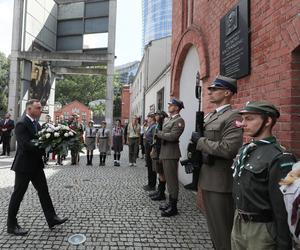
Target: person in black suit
{"x": 6, "y": 125}
{"x": 28, "y": 166}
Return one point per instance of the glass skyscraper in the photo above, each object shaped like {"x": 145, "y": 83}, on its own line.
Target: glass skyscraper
{"x": 157, "y": 20}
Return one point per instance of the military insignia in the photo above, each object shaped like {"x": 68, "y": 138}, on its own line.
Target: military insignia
{"x": 180, "y": 125}
{"x": 237, "y": 124}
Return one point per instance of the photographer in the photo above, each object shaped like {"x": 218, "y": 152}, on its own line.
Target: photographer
{"x": 220, "y": 144}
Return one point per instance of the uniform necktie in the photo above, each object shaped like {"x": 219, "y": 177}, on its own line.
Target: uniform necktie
{"x": 102, "y": 132}
{"x": 91, "y": 131}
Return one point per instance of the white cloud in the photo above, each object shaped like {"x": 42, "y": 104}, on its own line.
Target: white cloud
{"x": 6, "y": 17}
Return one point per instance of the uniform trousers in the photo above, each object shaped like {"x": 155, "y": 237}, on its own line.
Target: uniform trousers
{"x": 151, "y": 174}
{"x": 219, "y": 209}
{"x": 133, "y": 144}
{"x": 39, "y": 182}
{"x": 170, "y": 168}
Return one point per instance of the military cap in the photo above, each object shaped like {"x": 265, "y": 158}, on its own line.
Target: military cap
{"x": 151, "y": 114}
{"x": 103, "y": 121}
{"x": 161, "y": 113}
{"x": 224, "y": 82}
{"x": 91, "y": 121}
{"x": 177, "y": 103}
{"x": 261, "y": 107}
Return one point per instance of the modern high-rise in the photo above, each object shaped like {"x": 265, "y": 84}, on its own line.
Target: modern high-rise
{"x": 157, "y": 20}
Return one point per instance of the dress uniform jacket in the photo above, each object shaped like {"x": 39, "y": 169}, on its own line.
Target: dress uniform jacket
{"x": 222, "y": 140}
{"x": 169, "y": 135}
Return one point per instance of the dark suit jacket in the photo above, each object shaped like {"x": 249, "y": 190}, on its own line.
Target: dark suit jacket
{"x": 10, "y": 125}
{"x": 28, "y": 157}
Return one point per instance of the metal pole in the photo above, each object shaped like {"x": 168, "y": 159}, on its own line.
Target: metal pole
{"x": 111, "y": 62}
{"x": 14, "y": 75}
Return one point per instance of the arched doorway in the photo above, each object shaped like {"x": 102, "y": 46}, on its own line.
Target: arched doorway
{"x": 187, "y": 95}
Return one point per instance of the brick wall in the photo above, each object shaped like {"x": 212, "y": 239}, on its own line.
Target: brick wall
{"x": 125, "y": 110}
{"x": 275, "y": 70}
{"x": 75, "y": 107}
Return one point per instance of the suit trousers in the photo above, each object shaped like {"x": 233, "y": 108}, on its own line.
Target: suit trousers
{"x": 39, "y": 182}
{"x": 170, "y": 168}
{"x": 133, "y": 144}
{"x": 6, "y": 144}
{"x": 151, "y": 174}
{"x": 219, "y": 209}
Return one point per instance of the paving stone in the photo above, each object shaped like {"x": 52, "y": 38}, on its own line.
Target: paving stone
{"x": 107, "y": 204}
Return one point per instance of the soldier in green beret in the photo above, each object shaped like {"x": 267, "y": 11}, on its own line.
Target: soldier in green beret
{"x": 260, "y": 220}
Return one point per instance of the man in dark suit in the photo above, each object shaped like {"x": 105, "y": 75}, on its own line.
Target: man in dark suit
{"x": 28, "y": 166}
{"x": 6, "y": 125}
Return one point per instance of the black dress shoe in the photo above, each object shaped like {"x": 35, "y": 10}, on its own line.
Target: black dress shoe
{"x": 191, "y": 186}
{"x": 148, "y": 188}
{"x": 56, "y": 221}
{"x": 17, "y": 230}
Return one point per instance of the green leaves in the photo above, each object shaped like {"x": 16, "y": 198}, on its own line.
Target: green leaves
{"x": 82, "y": 88}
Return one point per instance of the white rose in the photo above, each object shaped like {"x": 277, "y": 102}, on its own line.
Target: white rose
{"x": 48, "y": 135}
{"x": 56, "y": 128}
{"x": 66, "y": 134}
{"x": 71, "y": 133}
{"x": 49, "y": 130}
{"x": 56, "y": 134}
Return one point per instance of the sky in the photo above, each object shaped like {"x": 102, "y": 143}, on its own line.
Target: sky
{"x": 128, "y": 30}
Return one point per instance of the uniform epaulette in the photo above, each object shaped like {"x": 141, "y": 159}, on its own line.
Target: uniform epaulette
{"x": 286, "y": 159}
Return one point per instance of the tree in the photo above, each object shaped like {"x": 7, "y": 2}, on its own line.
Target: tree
{"x": 82, "y": 88}
{"x": 117, "y": 97}
{"x": 4, "y": 80}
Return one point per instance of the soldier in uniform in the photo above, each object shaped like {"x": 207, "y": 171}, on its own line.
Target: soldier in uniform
{"x": 170, "y": 153}
{"x": 78, "y": 128}
{"x": 220, "y": 144}
{"x": 260, "y": 220}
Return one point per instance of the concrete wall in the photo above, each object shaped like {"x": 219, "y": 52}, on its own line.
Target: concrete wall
{"x": 151, "y": 94}
{"x": 40, "y": 18}
{"x": 159, "y": 58}
{"x": 70, "y": 11}
{"x": 137, "y": 91}
{"x": 187, "y": 90}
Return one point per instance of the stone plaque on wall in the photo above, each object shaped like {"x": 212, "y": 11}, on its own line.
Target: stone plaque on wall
{"x": 234, "y": 41}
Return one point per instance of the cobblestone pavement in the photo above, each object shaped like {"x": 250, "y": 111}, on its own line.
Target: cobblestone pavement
{"x": 107, "y": 204}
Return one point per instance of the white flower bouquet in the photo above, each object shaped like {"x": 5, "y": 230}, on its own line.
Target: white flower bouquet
{"x": 58, "y": 139}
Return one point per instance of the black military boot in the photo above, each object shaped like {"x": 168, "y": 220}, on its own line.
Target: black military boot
{"x": 161, "y": 192}
{"x": 87, "y": 160}
{"x": 172, "y": 210}
{"x": 164, "y": 206}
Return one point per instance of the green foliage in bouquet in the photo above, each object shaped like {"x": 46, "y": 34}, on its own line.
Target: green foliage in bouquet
{"x": 58, "y": 139}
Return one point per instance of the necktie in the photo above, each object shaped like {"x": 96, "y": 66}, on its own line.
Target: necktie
{"x": 91, "y": 131}
{"x": 35, "y": 125}
{"x": 103, "y": 132}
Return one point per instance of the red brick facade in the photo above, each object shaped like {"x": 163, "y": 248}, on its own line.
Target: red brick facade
{"x": 125, "y": 110}
{"x": 275, "y": 55}
{"x": 85, "y": 114}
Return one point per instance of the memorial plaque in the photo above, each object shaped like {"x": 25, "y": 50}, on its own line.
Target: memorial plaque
{"x": 234, "y": 44}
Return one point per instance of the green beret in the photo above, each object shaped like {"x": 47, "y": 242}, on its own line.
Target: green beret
{"x": 261, "y": 107}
